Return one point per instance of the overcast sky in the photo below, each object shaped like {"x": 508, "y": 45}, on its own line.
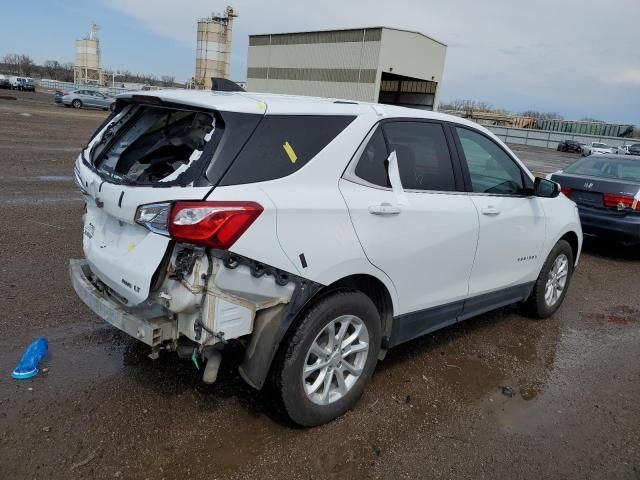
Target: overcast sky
{"x": 567, "y": 56}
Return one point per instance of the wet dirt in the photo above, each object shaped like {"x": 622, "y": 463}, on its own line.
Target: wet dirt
{"x": 436, "y": 406}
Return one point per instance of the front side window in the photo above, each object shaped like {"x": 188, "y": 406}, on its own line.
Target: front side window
{"x": 490, "y": 168}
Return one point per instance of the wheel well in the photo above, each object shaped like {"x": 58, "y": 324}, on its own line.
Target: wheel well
{"x": 377, "y": 293}
{"x": 572, "y": 239}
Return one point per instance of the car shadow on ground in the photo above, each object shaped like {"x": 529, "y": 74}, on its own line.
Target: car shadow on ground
{"x": 610, "y": 249}
{"x": 170, "y": 376}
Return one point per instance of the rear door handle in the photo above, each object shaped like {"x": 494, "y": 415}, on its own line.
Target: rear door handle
{"x": 490, "y": 210}
{"x": 384, "y": 209}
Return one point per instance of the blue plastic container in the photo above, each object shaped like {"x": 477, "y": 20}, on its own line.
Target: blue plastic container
{"x": 28, "y": 365}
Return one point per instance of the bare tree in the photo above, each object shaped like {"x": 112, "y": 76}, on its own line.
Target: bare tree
{"x": 20, "y": 64}
{"x": 167, "y": 80}
{"x": 542, "y": 115}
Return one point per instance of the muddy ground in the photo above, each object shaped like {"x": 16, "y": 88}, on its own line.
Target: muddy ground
{"x": 500, "y": 396}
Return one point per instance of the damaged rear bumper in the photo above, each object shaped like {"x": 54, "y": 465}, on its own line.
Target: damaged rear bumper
{"x": 152, "y": 331}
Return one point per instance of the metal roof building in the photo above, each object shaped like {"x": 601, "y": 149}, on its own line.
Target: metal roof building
{"x": 377, "y": 64}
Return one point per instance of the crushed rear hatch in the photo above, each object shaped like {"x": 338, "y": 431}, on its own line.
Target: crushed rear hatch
{"x": 149, "y": 151}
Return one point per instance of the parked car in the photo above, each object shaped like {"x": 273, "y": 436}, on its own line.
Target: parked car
{"x": 316, "y": 233}
{"x": 634, "y": 149}
{"x": 85, "y": 98}
{"x": 22, "y": 83}
{"x": 4, "y": 82}
{"x": 606, "y": 189}
{"x": 57, "y": 97}
{"x": 570, "y": 146}
{"x": 597, "y": 148}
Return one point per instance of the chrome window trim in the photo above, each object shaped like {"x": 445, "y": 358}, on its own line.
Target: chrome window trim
{"x": 350, "y": 173}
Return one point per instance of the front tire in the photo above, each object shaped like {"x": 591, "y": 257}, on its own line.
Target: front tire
{"x": 326, "y": 362}
{"x": 552, "y": 283}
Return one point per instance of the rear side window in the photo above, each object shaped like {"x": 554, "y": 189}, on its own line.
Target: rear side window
{"x": 423, "y": 155}
{"x": 372, "y": 165}
{"x": 282, "y": 145}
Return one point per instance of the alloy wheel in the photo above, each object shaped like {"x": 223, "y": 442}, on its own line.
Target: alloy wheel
{"x": 335, "y": 360}
{"x": 556, "y": 280}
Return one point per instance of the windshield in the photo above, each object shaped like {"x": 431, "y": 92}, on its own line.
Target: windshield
{"x": 600, "y": 145}
{"x": 144, "y": 144}
{"x": 618, "y": 169}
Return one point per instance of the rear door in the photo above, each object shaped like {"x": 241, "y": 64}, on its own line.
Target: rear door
{"x": 512, "y": 221}
{"x": 425, "y": 244}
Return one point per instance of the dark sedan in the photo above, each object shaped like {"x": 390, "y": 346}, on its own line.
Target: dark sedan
{"x": 634, "y": 149}
{"x": 606, "y": 189}
{"x": 570, "y": 146}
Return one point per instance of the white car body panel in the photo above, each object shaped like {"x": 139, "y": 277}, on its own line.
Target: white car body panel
{"x": 504, "y": 260}
{"x": 400, "y": 244}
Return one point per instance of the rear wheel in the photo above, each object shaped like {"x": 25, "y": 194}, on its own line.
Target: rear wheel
{"x": 76, "y": 104}
{"x": 553, "y": 282}
{"x": 326, "y": 362}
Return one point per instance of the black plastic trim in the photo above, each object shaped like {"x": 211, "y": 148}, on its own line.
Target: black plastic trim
{"x": 415, "y": 324}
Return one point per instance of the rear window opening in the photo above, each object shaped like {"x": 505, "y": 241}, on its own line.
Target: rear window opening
{"x": 148, "y": 144}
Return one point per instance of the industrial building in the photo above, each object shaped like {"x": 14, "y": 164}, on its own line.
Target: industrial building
{"x": 378, "y": 64}
{"x": 87, "y": 69}
{"x": 213, "y": 50}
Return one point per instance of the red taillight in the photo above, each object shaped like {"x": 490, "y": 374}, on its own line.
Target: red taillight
{"x": 211, "y": 224}
{"x": 566, "y": 190}
{"x": 622, "y": 202}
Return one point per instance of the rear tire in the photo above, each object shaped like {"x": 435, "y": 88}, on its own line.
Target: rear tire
{"x": 307, "y": 358}
{"x": 76, "y": 104}
{"x": 553, "y": 282}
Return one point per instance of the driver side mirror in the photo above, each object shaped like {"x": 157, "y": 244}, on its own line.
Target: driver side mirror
{"x": 546, "y": 188}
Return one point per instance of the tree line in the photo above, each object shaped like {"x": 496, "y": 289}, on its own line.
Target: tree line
{"x": 20, "y": 64}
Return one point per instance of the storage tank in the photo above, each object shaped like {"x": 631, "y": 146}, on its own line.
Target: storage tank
{"x": 213, "y": 50}
{"x": 87, "y": 68}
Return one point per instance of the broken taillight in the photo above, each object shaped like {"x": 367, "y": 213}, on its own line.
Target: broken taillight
{"x": 210, "y": 224}
{"x": 622, "y": 202}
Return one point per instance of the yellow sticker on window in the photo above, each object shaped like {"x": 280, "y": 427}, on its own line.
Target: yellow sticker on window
{"x": 289, "y": 151}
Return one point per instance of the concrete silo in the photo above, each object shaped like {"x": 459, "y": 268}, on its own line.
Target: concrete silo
{"x": 213, "y": 52}
{"x": 87, "y": 68}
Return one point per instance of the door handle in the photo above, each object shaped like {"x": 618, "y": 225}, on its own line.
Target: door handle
{"x": 490, "y": 210}
{"x": 384, "y": 209}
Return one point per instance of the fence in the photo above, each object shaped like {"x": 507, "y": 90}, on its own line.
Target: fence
{"x": 112, "y": 91}
{"x": 548, "y": 139}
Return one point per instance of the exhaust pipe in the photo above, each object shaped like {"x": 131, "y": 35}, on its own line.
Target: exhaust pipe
{"x": 214, "y": 357}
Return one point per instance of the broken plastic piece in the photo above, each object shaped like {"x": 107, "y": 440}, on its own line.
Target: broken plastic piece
{"x": 28, "y": 365}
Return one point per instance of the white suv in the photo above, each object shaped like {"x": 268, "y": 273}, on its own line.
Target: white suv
{"x": 317, "y": 233}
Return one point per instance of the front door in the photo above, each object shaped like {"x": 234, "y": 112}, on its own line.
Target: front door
{"x": 512, "y": 222}
{"x": 425, "y": 244}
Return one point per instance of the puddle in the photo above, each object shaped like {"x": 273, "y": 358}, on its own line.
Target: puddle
{"x": 618, "y": 315}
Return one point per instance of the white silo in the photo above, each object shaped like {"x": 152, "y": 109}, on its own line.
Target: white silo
{"x": 213, "y": 51}
{"x": 87, "y": 68}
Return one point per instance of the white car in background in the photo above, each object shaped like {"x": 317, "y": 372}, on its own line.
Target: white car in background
{"x": 317, "y": 233}
{"x": 597, "y": 148}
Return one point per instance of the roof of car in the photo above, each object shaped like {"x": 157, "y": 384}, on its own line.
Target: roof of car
{"x": 279, "y": 104}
